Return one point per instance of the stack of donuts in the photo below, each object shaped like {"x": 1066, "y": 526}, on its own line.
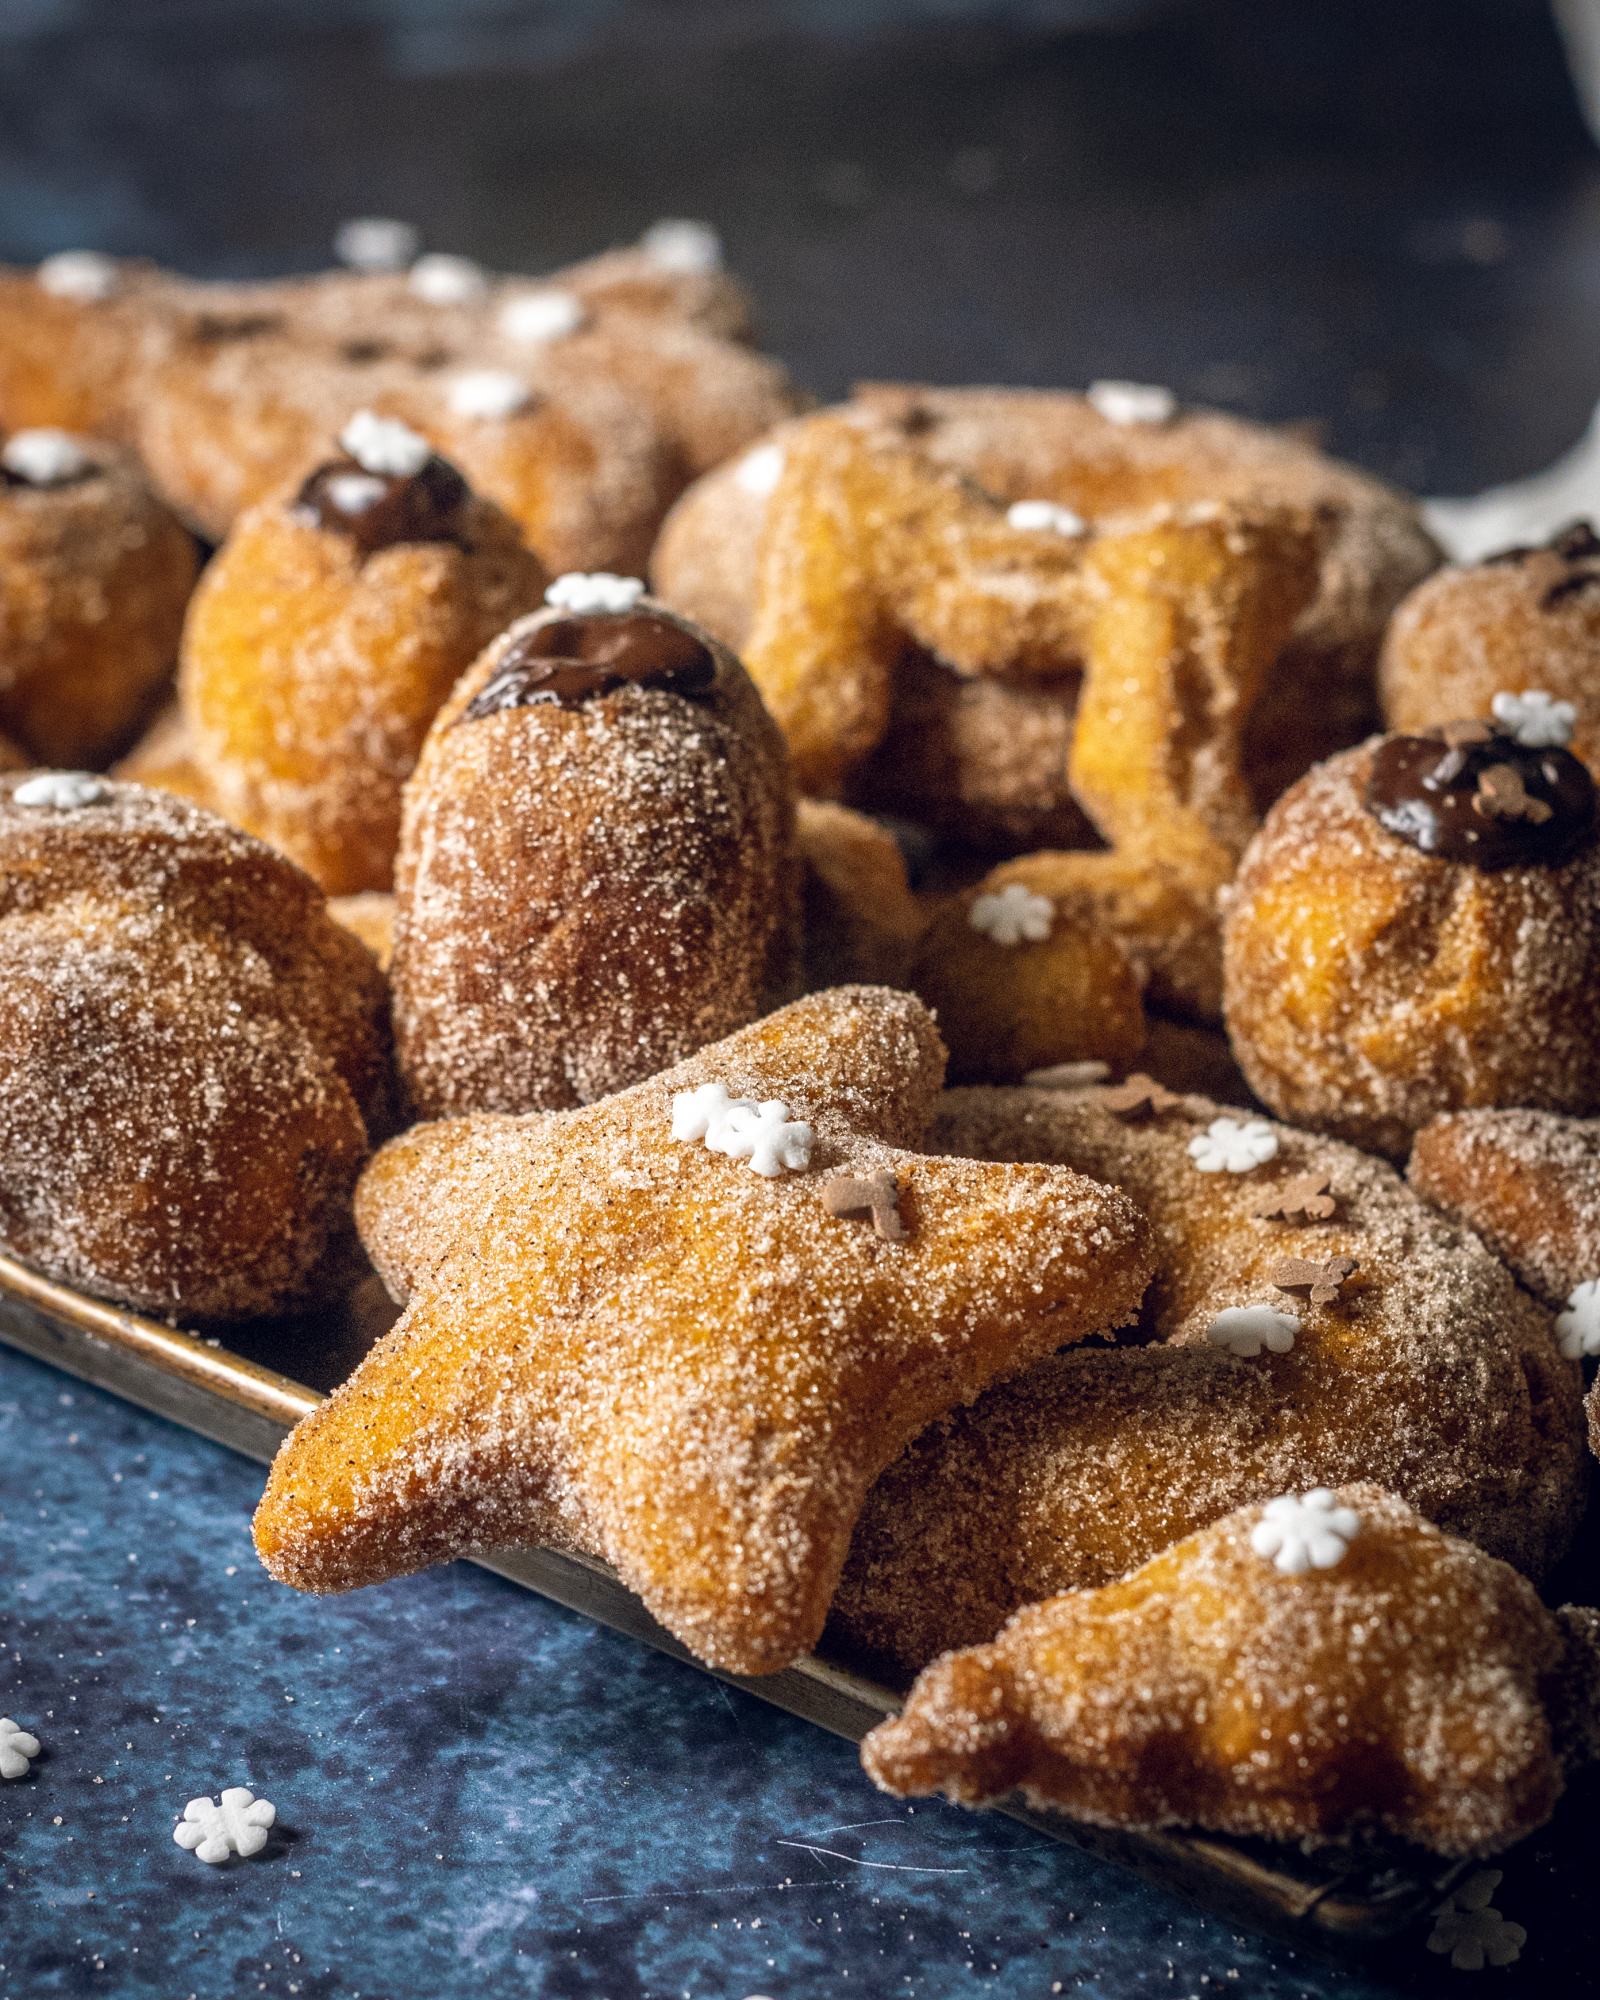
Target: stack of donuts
{"x": 968, "y": 1021}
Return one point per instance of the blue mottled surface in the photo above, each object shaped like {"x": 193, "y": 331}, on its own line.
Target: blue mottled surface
{"x": 482, "y": 1794}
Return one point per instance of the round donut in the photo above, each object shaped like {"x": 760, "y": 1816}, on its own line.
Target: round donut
{"x": 597, "y": 871}
{"x": 73, "y": 332}
{"x": 1428, "y": 1371}
{"x": 192, "y": 1055}
{"x": 1372, "y": 982}
{"x": 94, "y": 578}
{"x": 1527, "y": 618}
{"x": 323, "y": 638}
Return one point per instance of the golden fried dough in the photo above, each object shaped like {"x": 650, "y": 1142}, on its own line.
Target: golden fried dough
{"x": 191, "y": 1055}
{"x": 1413, "y": 1687}
{"x": 1428, "y": 1371}
{"x": 861, "y": 917}
{"x": 645, "y": 1349}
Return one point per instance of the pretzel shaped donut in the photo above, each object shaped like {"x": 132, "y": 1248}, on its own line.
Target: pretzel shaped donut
{"x": 1421, "y": 1366}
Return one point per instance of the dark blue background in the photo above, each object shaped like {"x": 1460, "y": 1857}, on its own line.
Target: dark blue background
{"x": 1383, "y": 216}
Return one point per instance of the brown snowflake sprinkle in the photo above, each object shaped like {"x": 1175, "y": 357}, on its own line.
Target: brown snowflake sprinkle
{"x": 1502, "y": 795}
{"x": 1306, "y": 1195}
{"x": 1322, "y": 1281}
{"x": 877, "y": 1195}
{"x": 1137, "y": 1096}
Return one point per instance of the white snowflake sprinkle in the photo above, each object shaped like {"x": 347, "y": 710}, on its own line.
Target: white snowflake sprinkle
{"x": 759, "y": 471}
{"x": 1133, "y": 402}
{"x": 62, "y": 791}
{"x": 45, "y": 457}
{"x": 1012, "y": 915}
{"x": 582, "y": 591}
{"x": 18, "y": 1748}
{"x": 447, "y": 281}
{"x": 1475, "y": 1938}
{"x": 1537, "y": 720}
{"x": 84, "y": 275}
{"x": 353, "y": 493}
{"x": 375, "y": 243}
{"x": 489, "y": 394}
{"x": 743, "y": 1128}
{"x": 1233, "y": 1146}
{"x": 678, "y": 244}
{"x": 1578, "y": 1328}
{"x": 384, "y": 446}
{"x": 1044, "y": 517}
{"x": 238, "y": 1823}
{"x": 542, "y": 314}
{"x": 1302, "y": 1531}
{"x": 698, "y": 1113}
{"x": 1246, "y": 1330}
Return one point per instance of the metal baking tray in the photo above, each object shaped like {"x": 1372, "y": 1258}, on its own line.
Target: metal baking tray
{"x": 248, "y": 1392}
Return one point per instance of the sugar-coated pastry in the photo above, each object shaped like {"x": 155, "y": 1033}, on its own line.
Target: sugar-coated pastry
{"x": 1528, "y": 1182}
{"x": 1067, "y": 466}
{"x": 1022, "y": 978}
{"x": 860, "y": 916}
{"x": 1416, "y": 929}
{"x": 1420, "y": 1365}
{"x": 1526, "y": 620}
{"x": 327, "y": 632}
{"x": 686, "y": 1327}
{"x": 72, "y": 331}
{"x": 94, "y": 577}
{"x": 1329, "y": 1666}
{"x": 192, "y": 1054}
{"x": 597, "y": 871}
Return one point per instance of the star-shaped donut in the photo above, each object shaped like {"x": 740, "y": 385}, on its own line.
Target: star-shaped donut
{"x": 632, "y": 1345}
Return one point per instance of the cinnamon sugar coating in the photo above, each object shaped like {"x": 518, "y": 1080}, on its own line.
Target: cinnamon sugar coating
{"x": 1371, "y": 986}
{"x": 1527, "y": 1181}
{"x": 1418, "y": 1690}
{"x": 94, "y": 577}
{"x": 1002, "y": 770}
{"x": 191, "y": 1058}
{"x": 861, "y": 919}
{"x": 640, "y": 1349}
{"x": 311, "y": 671}
{"x": 1432, "y": 1374}
{"x": 1469, "y": 633}
{"x": 589, "y": 891}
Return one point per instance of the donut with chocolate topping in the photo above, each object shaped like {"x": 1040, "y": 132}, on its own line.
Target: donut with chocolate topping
{"x": 597, "y": 871}
{"x": 331, "y": 625}
{"x": 1416, "y": 929}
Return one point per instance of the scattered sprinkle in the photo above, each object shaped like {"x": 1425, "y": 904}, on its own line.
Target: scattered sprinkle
{"x": 742, "y": 1128}
{"x": 1013, "y": 915}
{"x": 384, "y": 446}
{"x": 447, "y": 281}
{"x": 1305, "y": 1531}
{"x": 1322, "y": 1281}
{"x": 85, "y": 275}
{"x": 1068, "y": 1075}
{"x": 238, "y": 1823}
{"x": 18, "y": 1748}
{"x": 375, "y": 243}
{"x": 585, "y": 591}
{"x": 678, "y": 244}
{"x": 1578, "y": 1328}
{"x": 1306, "y": 1195}
{"x": 1133, "y": 402}
{"x": 62, "y": 791}
{"x": 1045, "y": 517}
{"x": 1139, "y": 1095}
{"x": 544, "y": 314}
{"x": 491, "y": 394}
{"x": 1501, "y": 794}
{"x": 1233, "y": 1146}
{"x": 877, "y": 1195}
{"x": 759, "y": 471}
{"x": 1475, "y": 1938}
{"x": 45, "y": 457}
{"x": 1247, "y": 1330}
{"x": 1537, "y": 720}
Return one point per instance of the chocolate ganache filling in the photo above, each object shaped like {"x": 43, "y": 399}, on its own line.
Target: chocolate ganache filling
{"x": 1470, "y": 794}
{"x": 572, "y": 660}
{"x": 377, "y": 510}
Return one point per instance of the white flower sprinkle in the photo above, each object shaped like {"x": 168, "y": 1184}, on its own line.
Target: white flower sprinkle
{"x": 584, "y": 591}
{"x": 1247, "y": 1330}
{"x": 375, "y": 243}
{"x": 238, "y": 1823}
{"x": 759, "y": 471}
{"x": 384, "y": 446}
{"x": 1578, "y": 1328}
{"x": 1013, "y": 915}
{"x": 1536, "y": 719}
{"x": 1233, "y": 1146}
{"x": 1044, "y": 517}
{"x": 1301, "y": 1531}
{"x": 1133, "y": 402}
{"x": 448, "y": 281}
{"x": 489, "y": 394}
{"x": 1476, "y": 1937}
{"x": 543, "y": 314}
{"x": 45, "y": 457}
{"x": 762, "y": 1132}
{"x": 18, "y": 1748}
{"x": 62, "y": 791}
{"x": 678, "y": 244}
{"x": 84, "y": 275}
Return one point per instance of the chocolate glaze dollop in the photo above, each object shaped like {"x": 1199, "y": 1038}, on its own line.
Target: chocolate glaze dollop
{"x": 378, "y": 510}
{"x": 573, "y": 660}
{"x": 1445, "y": 795}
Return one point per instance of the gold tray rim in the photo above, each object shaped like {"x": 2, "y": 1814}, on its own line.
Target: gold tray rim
{"x": 198, "y": 1382}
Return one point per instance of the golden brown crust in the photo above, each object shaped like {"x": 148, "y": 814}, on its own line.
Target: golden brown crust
{"x": 1434, "y": 1374}
{"x": 1416, "y": 1689}
{"x": 310, "y": 674}
{"x": 1370, "y": 986}
{"x": 860, "y": 915}
{"x": 94, "y": 577}
{"x": 193, "y": 1058}
{"x": 588, "y": 894}
{"x": 639, "y": 1348}
{"x": 1527, "y": 1181}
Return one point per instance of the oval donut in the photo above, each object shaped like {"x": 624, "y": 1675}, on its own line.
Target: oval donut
{"x": 1430, "y": 1372}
